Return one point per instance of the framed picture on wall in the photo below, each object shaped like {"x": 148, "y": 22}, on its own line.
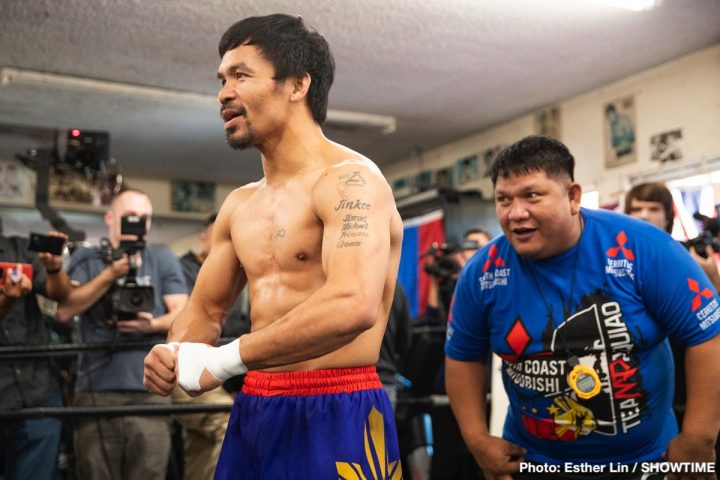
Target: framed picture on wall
{"x": 619, "y": 121}
{"x": 666, "y": 146}
{"x": 444, "y": 178}
{"x": 425, "y": 180}
{"x": 188, "y": 196}
{"x": 547, "y": 123}
{"x": 14, "y": 183}
{"x": 403, "y": 187}
{"x": 489, "y": 156}
{"x": 467, "y": 169}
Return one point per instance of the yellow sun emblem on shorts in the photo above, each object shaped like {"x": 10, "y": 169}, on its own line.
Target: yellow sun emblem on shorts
{"x": 381, "y": 468}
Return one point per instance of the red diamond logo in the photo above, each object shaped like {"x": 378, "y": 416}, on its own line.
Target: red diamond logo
{"x": 518, "y": 338}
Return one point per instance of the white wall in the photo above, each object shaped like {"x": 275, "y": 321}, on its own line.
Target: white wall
{"x": 684, "y": 93}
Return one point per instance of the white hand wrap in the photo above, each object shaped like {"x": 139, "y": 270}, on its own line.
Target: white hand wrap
{"x": 222, "y": 363}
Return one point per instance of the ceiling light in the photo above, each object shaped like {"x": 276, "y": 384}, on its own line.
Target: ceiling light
{"x": 384, "y": 123}
{"x": 635, "y": 5}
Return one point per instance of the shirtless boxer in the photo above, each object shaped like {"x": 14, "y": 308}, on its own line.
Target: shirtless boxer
{"x": 317, "y": 240}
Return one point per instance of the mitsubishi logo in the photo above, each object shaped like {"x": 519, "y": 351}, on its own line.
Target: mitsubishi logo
{"x": 622, "y": 240}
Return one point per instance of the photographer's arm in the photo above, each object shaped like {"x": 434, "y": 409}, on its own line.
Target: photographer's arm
{"x": 81, "y": 298}
{"x": 57, "y": 283}
{"x": 6, "y": 304}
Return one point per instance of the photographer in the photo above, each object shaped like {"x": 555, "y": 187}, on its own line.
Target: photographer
{"x": 653, "y": 202}
{"x": 29, "y": 447}
{"x": 120, "y": 447}
{"x": 444, "y": 266}
{"x": 450, "y": 459}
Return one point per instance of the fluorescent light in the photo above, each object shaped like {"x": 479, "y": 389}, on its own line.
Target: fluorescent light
{"x": 13, "y": 75}
{"x": 635, "y": 5}
{"x": 385, "y": 123}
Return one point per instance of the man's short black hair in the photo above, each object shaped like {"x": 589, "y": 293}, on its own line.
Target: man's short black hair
{"x": 292, "y": 49}
{"x": 535, "y": 153}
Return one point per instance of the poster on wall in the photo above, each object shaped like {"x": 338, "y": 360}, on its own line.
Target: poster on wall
{"x": 13, "y": 183}
{"x": 187, "y": 196}
{"x": 403, "y": 187}
{"x": 467, "y": 169}
{"x": 666, "y": 146}
{"x": 620, "y": 145}
{"x": 444, "y": 178}
{"x": 547, "y": 123}
{"x": 489, "y": 157}
{"x": 425, "y": 180}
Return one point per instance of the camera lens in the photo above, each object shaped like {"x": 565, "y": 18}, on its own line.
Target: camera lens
{"x": 136, "y": 299}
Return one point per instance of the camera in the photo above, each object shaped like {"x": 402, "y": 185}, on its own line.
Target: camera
{"x": 444, "y": 264}
{"x": 707, "y": 238}
{"x": 46, "y": 243}
{"x": 129, "y": 296}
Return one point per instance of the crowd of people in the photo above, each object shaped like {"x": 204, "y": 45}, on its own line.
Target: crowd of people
{"x": 579, "y": 304}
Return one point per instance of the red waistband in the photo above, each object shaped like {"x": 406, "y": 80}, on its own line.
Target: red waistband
{"x": 311, "y": 382}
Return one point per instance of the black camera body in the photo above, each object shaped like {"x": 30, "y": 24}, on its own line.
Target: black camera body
{"x": 444, "y": 264}
{"x": 701, "y": 242}
{"x": 46, "y": 243}
{"x": 129, "y": 296}
{"x": 707, "y": 238}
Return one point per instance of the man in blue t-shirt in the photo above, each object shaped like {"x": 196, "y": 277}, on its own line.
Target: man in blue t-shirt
{"x": 133, "y": 446}
{"x": 579, "y": 304}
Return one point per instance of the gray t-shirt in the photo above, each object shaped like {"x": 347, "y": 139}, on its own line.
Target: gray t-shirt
{"x": 123, "y": 370}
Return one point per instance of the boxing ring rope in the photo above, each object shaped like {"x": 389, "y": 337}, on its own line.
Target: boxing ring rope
{"x": 72, "y": 349}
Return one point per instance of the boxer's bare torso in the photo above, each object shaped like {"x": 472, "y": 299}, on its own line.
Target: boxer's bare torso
{"x": 331, "y": 229}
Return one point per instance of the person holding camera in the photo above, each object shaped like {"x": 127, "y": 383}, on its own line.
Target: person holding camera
{"x": 125, "y": 293}
{"x": 450, "y": 459}
{"x": 578, "y": 304}
{"x": 28, "y": 448}
{"x": 653, "y": 202}
{"x": 444, "y": 271}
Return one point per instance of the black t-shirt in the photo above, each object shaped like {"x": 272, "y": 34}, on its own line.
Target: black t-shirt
{"x": 28, "y": 382}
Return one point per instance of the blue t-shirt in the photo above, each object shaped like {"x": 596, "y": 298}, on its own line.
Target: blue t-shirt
{"x": 632, "y": 286}
{"x": 120, "y": 370}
